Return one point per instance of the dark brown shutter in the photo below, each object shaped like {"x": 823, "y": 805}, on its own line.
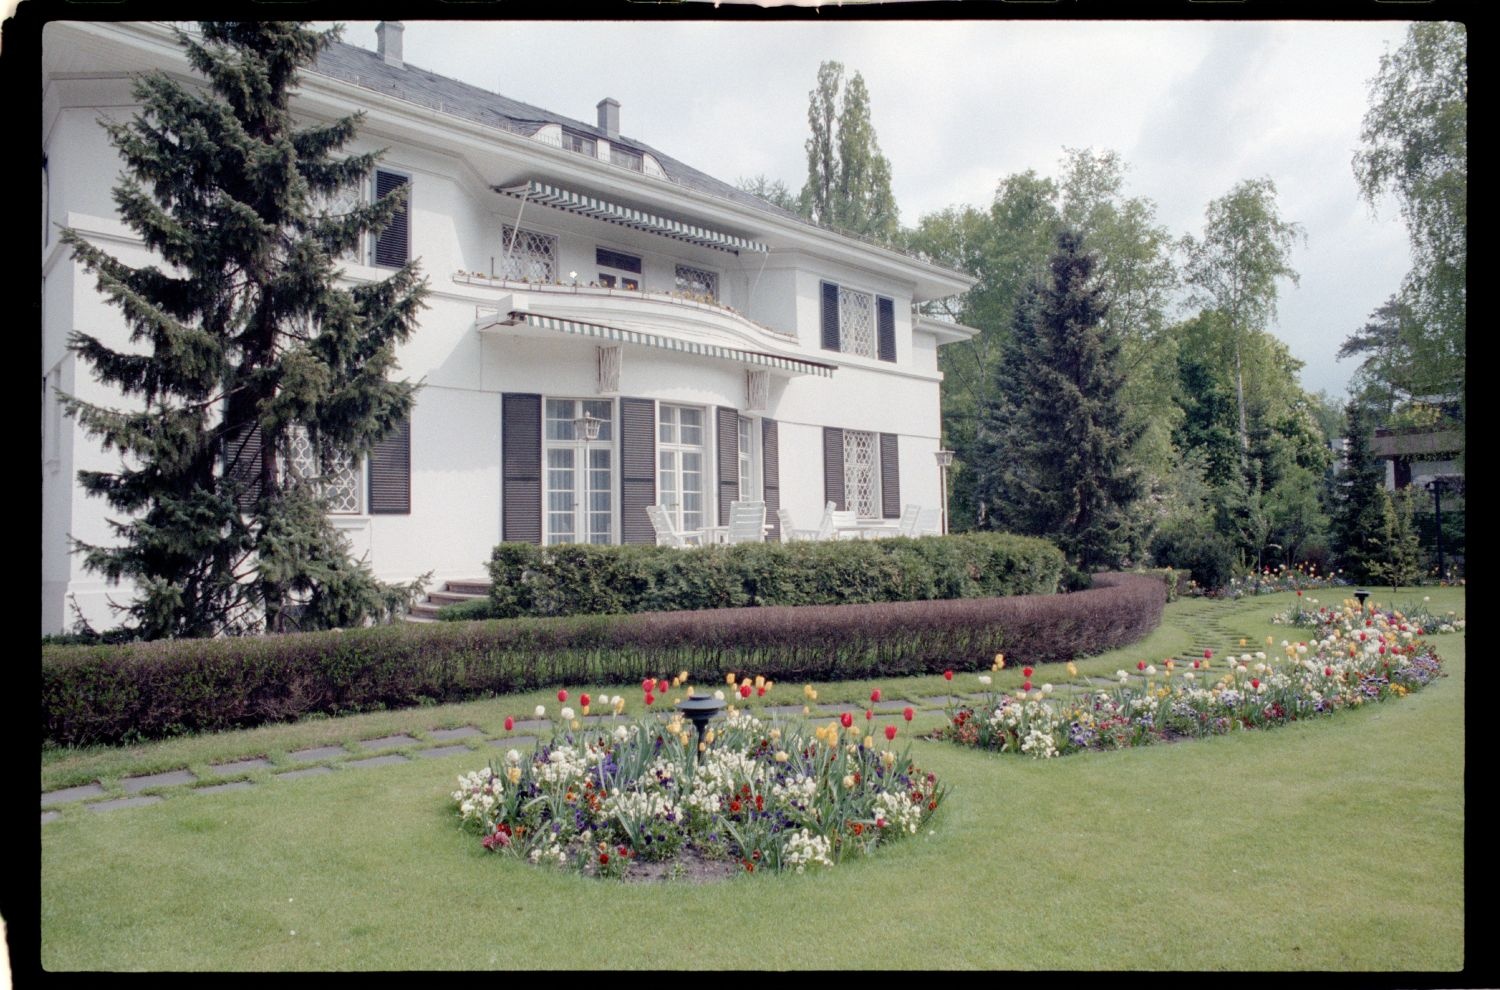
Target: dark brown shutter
{"x": 830, "y": 317}
{"x": 393, "y": 246}
{"x": 885, "y": 321}
{"x": 729, "y": 460}
{"x": 833, "y": 467}
{"x": 770, "y": 473}
{"x": 390, "y": 472}
{"x": 637, "y": 469}
{"x": 243, "y": 461}
{"x": 520, "y": 467}
{"x": 890, "y": 477}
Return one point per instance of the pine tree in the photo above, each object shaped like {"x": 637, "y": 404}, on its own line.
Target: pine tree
{"x": 1057, "y": 463}
{"x": 1359, "y": 516}
{"x": 241, "y": 334}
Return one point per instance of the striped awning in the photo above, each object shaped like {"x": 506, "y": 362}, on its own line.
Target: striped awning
{"x": 565, "y": 199}
{"x": 623, "y": 336}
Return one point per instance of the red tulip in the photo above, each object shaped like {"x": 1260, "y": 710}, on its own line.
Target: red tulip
{"x": 875, "y": 695}
{"x": 1299, "y": 594}
{"x": 847, "y": 719}
{"x": 1025, "y": 685}
{"x": 1027, "y": 671}
{"x": 1195, "y": 665}
{"x": 907, "y": 714}
{"x": 869, "y": 715}
{"x": 583, "y": 700}
{"x": 1208, "y": 654}
{"x": 1255, "y": 682}
{"x": 650, "y": 698}
{"x": 948, "y": 675}
{"x": 1140, "y": 665}
{"x": 744, "y": 690}
{"x": 510, "y": 723}
{"x": 890, "y": 732}
{"x": 647, "y": 684}
{"x": 1327, "y": 671}
{"x": 604, "y": 859}
{"x": 760, "y": 692}
{"x": 661, "y": 687}
{"x": 562, "y": 695}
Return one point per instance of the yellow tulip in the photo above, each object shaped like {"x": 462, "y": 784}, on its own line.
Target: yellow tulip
{"x": 1072, "y": 669}
{"x": 729, "y": 678}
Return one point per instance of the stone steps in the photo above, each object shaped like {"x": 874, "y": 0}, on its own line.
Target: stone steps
{"x": 451, "y": 593}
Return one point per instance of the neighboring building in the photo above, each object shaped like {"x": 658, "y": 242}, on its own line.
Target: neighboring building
{"x": 728, "y": 348}
{"x": 1416, "y": 455}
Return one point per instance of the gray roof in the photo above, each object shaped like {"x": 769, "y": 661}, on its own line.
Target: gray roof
{"x": 408, "y": 82}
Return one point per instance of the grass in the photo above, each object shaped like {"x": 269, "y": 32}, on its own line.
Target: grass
{"x": 1327, "y": 845}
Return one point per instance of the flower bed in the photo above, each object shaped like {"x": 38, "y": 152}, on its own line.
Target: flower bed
{"x": 1348, "y": 617}
{"x": 1270, "y": 581}
{"x": 602, "y": 798}
{"x": 1346, "y": 668}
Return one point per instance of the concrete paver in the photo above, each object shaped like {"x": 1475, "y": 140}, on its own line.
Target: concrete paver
{"x": 443, "y": 751}
{"x": 309, "y": 772}
{"x": 317, "y": 753}
{"x": 240, "y": 766}
{"x": 130, "y": 802}
{"x": 233, "y": 785}
{"x": 462, "y": 732}
{"x": 71, "y": 794}
{"x": 378, "y": 761}
{"x": 134, "y": 784}
{"x": 386, "y": 742}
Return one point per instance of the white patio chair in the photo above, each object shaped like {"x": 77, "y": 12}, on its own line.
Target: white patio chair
{"x": 909, "y": 515}
{"x": 929, "y": 523}
{"x": 845, "y": 524}
{"x": 747, "y": 522}
{"x": 790, "y": 533}
{"x": 666, "y": 533}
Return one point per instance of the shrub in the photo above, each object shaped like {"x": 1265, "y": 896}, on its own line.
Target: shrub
{"x": 102, "y": 694}
{"x": 1195, "y": 546}
{"x": 579, "y": 579}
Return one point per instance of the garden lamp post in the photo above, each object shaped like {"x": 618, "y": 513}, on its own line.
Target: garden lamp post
{"x": 1361, "y": 594}
{"x": 700, "y": 710}
{"x": 585, "y": 432}
{"x": 1436, "y": 486}
{"x": 944, "y": 461}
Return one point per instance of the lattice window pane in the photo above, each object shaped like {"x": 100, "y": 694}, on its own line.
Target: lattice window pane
{"x": 337, "y": 481}
{"x": 340, "y": 203}
{"x": 698, "y": 281}
{"x": 856, "y": 322}
{"x": 862, "y": 473}
{"x": 533, "y": 257}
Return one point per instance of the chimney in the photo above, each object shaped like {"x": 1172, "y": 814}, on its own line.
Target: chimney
{"x": 388, "y": 41}
{"x": 609, "y": 117}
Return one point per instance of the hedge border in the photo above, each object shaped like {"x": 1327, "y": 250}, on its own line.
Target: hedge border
{"x": 110, "y": 694}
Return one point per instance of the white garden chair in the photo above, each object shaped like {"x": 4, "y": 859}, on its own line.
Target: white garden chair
{"x": 747, "y": 522}
{"x": 910, "y": 513}
{"x": 666, "y": 533}
{"x": 790, "y": 533}
{"x": 929, "y": 523}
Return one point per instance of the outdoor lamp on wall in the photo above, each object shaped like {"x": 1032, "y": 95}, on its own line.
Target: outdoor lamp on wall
{"x": 587, "y": 428}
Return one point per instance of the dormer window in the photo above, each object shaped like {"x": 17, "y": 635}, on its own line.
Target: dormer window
{"x": 573, "y": 141}
{"x": 625, "y": 158}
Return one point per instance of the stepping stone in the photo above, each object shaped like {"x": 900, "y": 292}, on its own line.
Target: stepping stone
{"x": 892, "y": 706}
{"x": 514, "y": 742}
{"x": 71, "y": 794}
{"x": 443, "y": 751}
{"x": 317, "y": 753}
{"x": 837, "y": 709}
{"x": 237, "y": 785}
{"x": 50, "y": 816}
{"x": 379, "y": 761}
{"x": 784, "y": 710}
{"x": 386, "y": 742}
{"x": 462, "y": 732}
{"x": 532, "y": 723}
{"x": 134, "y": 784}
{"x": 309, "y": 772}
{"x": 239, "y": 766}
{"x": 939, "y": 701}
{"x": 134, "y": 802}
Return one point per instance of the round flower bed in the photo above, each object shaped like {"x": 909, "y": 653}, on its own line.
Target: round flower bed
{"x": 1357, "y": 661}
{"x": 602, "y": 798}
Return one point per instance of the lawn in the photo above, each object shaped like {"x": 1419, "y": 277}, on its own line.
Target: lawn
{"x": 1335, "y": 844}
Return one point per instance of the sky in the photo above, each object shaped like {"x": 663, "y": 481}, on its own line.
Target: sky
{"x": 1191, "y": 107}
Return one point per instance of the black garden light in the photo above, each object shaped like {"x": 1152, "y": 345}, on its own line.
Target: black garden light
{"x": 1361, "y": 595}
{"x": 700, "y": 710}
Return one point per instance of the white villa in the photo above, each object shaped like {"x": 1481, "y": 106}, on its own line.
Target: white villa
{"x": 726, "y": 348}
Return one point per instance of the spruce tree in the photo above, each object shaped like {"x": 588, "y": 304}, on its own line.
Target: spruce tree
{"x": 1057, "y": 458}
{"x": 1359, "y": 522}
{"x": 242, "y": 341}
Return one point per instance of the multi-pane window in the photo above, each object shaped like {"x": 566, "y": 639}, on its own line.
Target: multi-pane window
{"x": 342, "y": 202}
{"x": 697, "y": 281}
{"x": 579, "y": 472}
{"x": 856, "y": 322}
{"x": 680, "y": 461}
{"x": 862, "y": 473}
{"x": 529, "y": 256}
{"x": 747, "y": 458}
{"x": 338, "y": 479}
{"x": 625, "y": 158}
{"x": 572, "y": 141}
{"x": 617, "y": 269}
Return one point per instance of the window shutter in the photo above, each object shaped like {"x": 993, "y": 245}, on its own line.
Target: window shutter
{"x": 885, "y": 318}
{"x": 830, "y": 316}
{"x": 770, "y": 473}
{"x": 393, "y": 246}
{"x": 520, "y": 467}
{"x": 729, "y": 460}
{"x": 890, "y": 477}
{"x": 243, "y": 461}
{"x": 390, "y": 472}
{"x": 637, "y": 469}
{"x": 833, "y": 467}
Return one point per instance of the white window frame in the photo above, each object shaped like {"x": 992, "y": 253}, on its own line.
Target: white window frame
{"x": 858, "y": 333}
{"x": 348, "y": 478}
{"x": 619, "y": 278}
{"x": 584, "y": 515}
{"x": 671, "y": 446}
{"x": 352, "y": 197}
{"x": 534, "y": 258}
{"x": 750, "y": 481}
{"x": 862, "y": 494}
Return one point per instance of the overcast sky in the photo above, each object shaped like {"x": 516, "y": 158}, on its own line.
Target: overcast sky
{"x": 1192, "y": 107}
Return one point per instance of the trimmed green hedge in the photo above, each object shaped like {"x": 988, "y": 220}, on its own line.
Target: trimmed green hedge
{"x": 109, "y": 694}
{"x": 580, "y": 579}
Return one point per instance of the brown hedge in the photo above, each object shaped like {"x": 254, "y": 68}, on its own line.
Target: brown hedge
{"x": 110, "y": 694}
